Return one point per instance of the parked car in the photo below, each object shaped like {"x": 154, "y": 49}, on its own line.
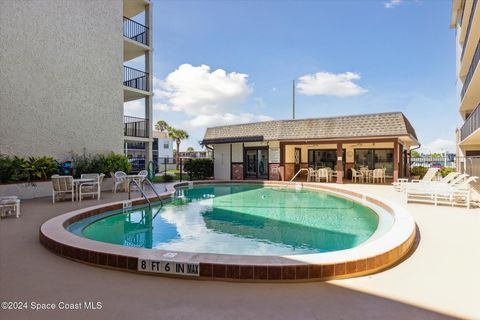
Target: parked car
{"x": 138, "y": 164}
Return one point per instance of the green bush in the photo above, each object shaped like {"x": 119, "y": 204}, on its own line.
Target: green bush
{"x": 167, "y": 178}
{"x": 445, "y": 171}
{"x": 99, "y": 163}
{"x": 200, "y": 168}
{"x": 418, "y": 171}
{"x": 30, "y": 169}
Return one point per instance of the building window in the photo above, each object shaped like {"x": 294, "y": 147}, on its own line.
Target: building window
{"x": 166, "y": 145}
{"x": 375, "y": 159}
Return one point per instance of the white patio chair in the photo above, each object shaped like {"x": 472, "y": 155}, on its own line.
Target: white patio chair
{"x": 322, "y": 174}
{"x": 356, "y": 175}
{"x": 143, "y": 174}
{"x": 91, "y": 188}
{"x": 120, "y": 178}
{"x": 377, "y": 175}
{"x": 311, "y": 175}
{"x": 384, "y": 175}
{"x": 9, "y": 205}
{"x": 62, "y": 185}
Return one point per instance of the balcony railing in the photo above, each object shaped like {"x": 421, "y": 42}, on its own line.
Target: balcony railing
{"x": 135, "y": 78}
{"x": 135, "y": 31}
{"x": 472, "y": 13}
{"x": 135, "y": 127}
{"x": 471, "y": 124}
{"x": 471, "y": 70}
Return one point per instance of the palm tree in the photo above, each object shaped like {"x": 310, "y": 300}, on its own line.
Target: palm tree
{"x": 178, "y": 135}
{"x": 161, "y": 126}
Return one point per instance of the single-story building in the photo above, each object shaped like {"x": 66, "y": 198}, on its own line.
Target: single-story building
{"x": 272, "y": 150}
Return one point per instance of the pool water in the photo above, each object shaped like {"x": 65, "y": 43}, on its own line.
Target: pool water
{"x": 238, "y": 219}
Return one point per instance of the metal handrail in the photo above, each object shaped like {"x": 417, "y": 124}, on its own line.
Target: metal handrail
{"x": 135, "y": 31}
{"x": 471, "y": 70}
{"x": 472, "y": 13}
{"x": 298, "y": 172}
{"x": 141, "y": 191}
{"x": 154, "y": 191}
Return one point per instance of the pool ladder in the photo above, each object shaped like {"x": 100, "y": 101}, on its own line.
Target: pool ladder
{"x": 140, "y": 188}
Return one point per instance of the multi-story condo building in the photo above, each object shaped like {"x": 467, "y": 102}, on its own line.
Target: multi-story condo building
{"x": 466, "y": 19}
{"x": 138, "y": 84}
{"x": 61, "y": 65}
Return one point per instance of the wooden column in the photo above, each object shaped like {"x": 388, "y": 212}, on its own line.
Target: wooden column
{"x": 400, "y": 165}
{"x": 339, "y": 163}
{"x": 395, "y": 161}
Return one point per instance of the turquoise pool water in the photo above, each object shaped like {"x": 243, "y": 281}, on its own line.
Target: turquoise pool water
{"x": 238, "y": 219}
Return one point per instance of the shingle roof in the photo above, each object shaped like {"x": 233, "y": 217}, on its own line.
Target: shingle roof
{"x": 357, "y": 126}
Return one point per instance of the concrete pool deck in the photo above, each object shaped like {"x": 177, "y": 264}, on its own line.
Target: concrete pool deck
{"x": 439, "y": 280}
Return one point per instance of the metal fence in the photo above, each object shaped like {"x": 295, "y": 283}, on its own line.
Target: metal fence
{"x": 471, "y": 166}
{"x": 434, "y": 162}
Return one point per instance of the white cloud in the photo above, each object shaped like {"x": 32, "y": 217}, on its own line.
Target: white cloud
{"x": 392, "y": 3}
{"x": 225, "y": 119}
{"x": 199, "y": 91}
{"x": 326, "y": 83}
{"x": 438, "y": 146}
{"x": 134, "y": 108}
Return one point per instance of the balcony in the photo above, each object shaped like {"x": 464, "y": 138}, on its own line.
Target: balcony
{"x": 135, "y": 31}
{"x": 135, "y": 127}
{"x": 471, "y": 125}
{"x": 135, "y": 78}
{"x": 470, "y": 94}
{"x": 467, "y": 34}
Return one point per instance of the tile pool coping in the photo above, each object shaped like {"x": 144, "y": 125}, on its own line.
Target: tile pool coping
{"x": 367, "y": 258}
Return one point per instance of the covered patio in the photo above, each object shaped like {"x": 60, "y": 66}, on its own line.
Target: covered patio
{"x": 363, "y": 148}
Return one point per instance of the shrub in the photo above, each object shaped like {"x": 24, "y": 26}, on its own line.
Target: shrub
{"x": 99, "y": 163}
{"x": 30, "y": 169}
{"x": 39, "y": 168}
{"x": 199, "y": 168}
{"x": 445, "y": 171}
{"x": 167, "y": 178}
{"x": 418, "y": 171}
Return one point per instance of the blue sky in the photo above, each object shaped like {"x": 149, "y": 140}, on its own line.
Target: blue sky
{"x": 348, "y": 57}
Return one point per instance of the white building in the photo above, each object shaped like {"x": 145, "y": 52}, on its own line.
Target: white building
{"x": 61, "y": 65}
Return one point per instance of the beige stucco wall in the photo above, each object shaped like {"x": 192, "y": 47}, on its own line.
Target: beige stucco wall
{"x": 61, "y": 77}
{"x": 237, "y": 152}
{"x": 221, "y": 161}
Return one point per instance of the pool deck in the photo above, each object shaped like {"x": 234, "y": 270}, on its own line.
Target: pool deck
{"x": 441, "y": 279}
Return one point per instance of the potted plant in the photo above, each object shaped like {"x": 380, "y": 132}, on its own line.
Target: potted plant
{"x": 417, "y": 173}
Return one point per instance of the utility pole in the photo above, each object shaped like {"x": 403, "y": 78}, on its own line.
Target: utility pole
{"x": 293, "y": 104}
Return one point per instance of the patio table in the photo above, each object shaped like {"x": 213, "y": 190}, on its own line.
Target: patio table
{"x": 77, "y": 183}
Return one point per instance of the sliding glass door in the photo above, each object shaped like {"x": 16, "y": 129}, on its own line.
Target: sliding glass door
{"x": 375, "y": 159}
{"x": 256, "y": 163}
{"x": 318, "y": 158}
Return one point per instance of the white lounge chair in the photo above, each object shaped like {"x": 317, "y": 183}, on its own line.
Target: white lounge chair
{"x": 91, "y": 188}
{"x": 120, "y": 178}
{"x": 428, "y": 177}
{"x": 440, "y": 192}
{"x": 62, "y": 185}
{"x": 311, "y": 175}
{"x": 9, "y": 205}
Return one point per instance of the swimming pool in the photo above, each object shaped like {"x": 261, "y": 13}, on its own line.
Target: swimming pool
{"x": 239, "y": 231}
{"x": 243, "y": 219}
